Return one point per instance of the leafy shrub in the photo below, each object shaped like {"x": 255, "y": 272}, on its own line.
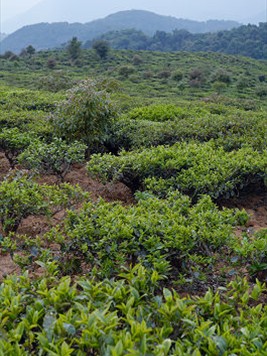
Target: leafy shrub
{"x": 52, "y": 158}
{"x": 261, "y": 91}
{"x": 13, "y": 142}
{"x": 10, "y": 56}
{"x": 161, "y": 112}
{"x": 177, "y": 76}
{"x": 148, "y": 74}
{"x": 159, "y": 233}
{"x": 131, "y": 315}
{"x": 51, "y": 63}
{"x": 192, "y": 168}
{"x": 221, "y": 76}
{"x": 167, "y": 124}
{"x": 219, "y": 87}
{"x": 126, "y": 70}
{"x": 85, "y": 115}
{"x": 102, "y": 48}
{"x": 251, "y": 250}
{"x": 197, "y": 78}
{"x": 243, "y": 83}
{"x": 137, "y": 60}
{"x": 22, "y": 197}
{"x": 74, "y": 49}
{"x": 55, "y": 82}
{"x": 164, "y": 74}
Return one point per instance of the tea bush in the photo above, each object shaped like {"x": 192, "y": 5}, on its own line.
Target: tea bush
{"x": 13, "y": 142}
{"x": 192, "y": 168}
{"x": 55, "y": 157}
{"x": 127, "y": 316}
{"x": 231, "y": 128}
{"x": 22, "y": 197}
{"x": 161, "y": 234}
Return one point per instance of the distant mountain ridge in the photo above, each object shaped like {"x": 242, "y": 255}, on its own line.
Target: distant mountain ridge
{"x": 47, "y": 36}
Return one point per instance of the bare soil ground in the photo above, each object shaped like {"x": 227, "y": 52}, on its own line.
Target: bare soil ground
{"x": 254, "y": 201}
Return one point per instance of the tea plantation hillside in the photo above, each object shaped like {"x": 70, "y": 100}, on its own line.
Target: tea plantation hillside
{"x": 140, "y": 74}
{"x": 133, "y": 210}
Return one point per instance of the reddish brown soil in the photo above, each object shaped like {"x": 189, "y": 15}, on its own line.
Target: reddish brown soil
{"x": 109, "y": 192}
{"x": 7, "y": 266}
{"x": 255, "y": 204}
{"x": 4, "y": 166}
{"x": 39, "y": 225}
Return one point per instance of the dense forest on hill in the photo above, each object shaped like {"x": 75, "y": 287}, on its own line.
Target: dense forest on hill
{"x": 249, "y": 40}
{"x": 133, "y": 210}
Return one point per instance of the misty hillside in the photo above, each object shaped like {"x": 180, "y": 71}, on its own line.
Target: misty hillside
{"x": 84, "y": 11}
{"x": 45, "y": 35}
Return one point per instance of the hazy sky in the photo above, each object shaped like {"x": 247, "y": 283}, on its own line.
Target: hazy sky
{"x": 10, "y": 8}
{"x": 194, "y": 9}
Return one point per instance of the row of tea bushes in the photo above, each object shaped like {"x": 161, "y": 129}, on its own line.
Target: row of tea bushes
{"x": 192, "y": 168}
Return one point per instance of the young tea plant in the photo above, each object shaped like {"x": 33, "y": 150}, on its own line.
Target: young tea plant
{"x": 53, "y": 158}
{"x": 13, "y": 142}
{"x": 22, "y": 197}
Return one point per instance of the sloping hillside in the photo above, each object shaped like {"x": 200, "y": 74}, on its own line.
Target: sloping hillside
{"x": 45, "y": 35}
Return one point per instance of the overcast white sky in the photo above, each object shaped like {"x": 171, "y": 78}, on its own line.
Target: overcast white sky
{"x": 10, "y": 8}
{"x": 193, "y": 9}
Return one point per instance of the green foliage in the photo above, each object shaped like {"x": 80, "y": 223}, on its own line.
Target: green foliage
{"x": 163, "y": 243}
{"x": 52, "y": 158}
{"x": 101, "y": 48}
{"x": 164, "y": 112}
{"x": 22, "y": 197}
{"x": 56, "y": 81}
{"x": 13, "y": 142}
{"x": 242, "y": 83}
{"x": 249, "y": 40}
{"x": 192, "y": 168}
{"x": 10, "y": 56}
{"x": 252, "y": 250}
{"x": 177, "y": 76}
{"x": 119, "y": 317}
{"x": 126, "y": 70}
{"x": 51, "y": 63}
{"x": 33, "y": 73}
{"x": 86, "y": 114}
{"x": 221, "y": 76}
{"x": 231, "y": 128}
{"x": 261, "y": 91}
{"x": 197, "y": 77}
{"x": 74, "y": 49}
{"x": 164, "y": 74}
{"x": 159, "y": 233}
{"x": 30, "y": 50}
{"x": 137, "y": 60}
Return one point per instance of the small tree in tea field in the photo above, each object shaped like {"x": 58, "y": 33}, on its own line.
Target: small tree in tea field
{"x": 102, "y": 48}
{"x": 86, "y": 114}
